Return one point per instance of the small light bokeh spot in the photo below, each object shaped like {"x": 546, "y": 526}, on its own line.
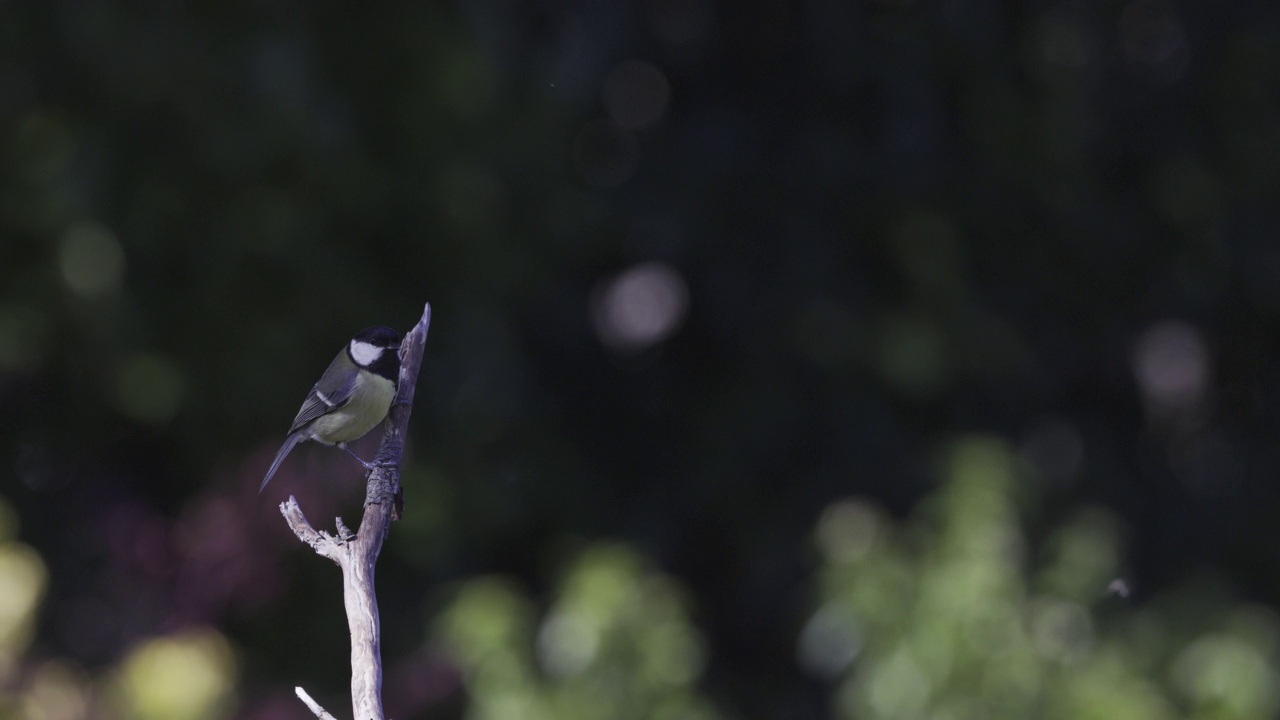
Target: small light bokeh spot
{"x": 1154, "y": 41}
{"x": 567, "y": 643}
{"x": 150, "y": 388}
{"x": 91, "y": 260}
{"x": 829, "y": 641}
{"x": 1171, "y": 365}
{"x": 847, "y": 531}
{"x": 898, "y": 687}
{"x": 640, "y": 307}
{"x": 635, "y": 94}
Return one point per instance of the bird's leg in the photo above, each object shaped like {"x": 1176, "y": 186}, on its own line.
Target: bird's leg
{"x": 367, "y": 465}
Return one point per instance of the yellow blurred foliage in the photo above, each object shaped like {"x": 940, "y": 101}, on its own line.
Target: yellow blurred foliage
{"x": 186, "y": 676}
{"x": 22, "y": 585}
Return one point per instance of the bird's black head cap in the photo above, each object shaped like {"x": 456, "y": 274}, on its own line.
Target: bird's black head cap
{"x": 385, "y": 363}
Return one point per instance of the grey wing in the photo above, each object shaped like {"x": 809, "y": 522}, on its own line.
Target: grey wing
{"x": 320, "y": 401}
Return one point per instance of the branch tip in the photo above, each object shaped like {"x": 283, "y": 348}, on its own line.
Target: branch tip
{"x": 312, "y": 705}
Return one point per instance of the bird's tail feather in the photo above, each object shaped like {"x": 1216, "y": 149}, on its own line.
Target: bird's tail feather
{"x": 289, "y": 442}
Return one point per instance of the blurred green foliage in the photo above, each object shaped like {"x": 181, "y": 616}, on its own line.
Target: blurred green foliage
{"x": 615, "y": 642}
{"x": 954, "y": 615}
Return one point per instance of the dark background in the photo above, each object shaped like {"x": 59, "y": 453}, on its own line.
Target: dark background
{"x": 697, "y": 269}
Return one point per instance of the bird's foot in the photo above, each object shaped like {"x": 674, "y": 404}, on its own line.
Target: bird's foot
{"x": 368, "y": 466}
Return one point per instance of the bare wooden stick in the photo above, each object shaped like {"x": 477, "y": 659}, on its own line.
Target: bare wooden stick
{"x": 357, "y": 553}
{"x": 312, "y": 704}
{"x": 322, "y": 542}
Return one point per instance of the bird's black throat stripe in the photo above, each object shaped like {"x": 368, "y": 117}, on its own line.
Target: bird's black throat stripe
{"x": 387, "y": 365}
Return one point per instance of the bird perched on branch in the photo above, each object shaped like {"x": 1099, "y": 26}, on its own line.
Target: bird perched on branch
{"x": 352, "y": 396}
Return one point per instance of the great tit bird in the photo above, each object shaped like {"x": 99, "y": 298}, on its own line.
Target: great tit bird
{"x": 352, "y": 396}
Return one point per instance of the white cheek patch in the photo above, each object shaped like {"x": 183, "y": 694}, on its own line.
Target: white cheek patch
{"x": 364, "y": 354}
